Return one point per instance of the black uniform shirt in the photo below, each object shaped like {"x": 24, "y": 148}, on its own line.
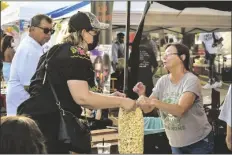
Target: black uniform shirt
{"x": 66, "y": 62}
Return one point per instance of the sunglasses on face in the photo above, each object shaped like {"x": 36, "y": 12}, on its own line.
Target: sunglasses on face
{"x": 47, "y": 30}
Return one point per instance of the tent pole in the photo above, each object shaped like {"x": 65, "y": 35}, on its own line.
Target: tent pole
{"x": 125, "y": 87}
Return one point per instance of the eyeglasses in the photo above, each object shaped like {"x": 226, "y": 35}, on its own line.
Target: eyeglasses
{"x": 166, "y": 55}
{"x": 46, "y": 30}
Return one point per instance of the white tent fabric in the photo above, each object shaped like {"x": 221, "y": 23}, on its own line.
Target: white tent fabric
{"x": 162, "y": 17}
{"x": 119, "y": 12}
{"x": 158, "y": 15}
{"x": 194, "y": 20}
{"x": 190, "y": 18}
{"x": 25, "y": 10}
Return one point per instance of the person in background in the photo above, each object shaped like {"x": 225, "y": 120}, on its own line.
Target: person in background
{"x": 7, "y": 52}
{"x": 71, "y": 73}
{"x": 147, "y": 66}
{"x": 1, "y": 76}
{"x": 210, "y": 43}
{"x": 154, "y": 45}
{"x": 1, "y": 58}
{"x": 118, "y": 53}
{"x": 225, "y": 115}
{"x": 148, "y": 63}
{"x": 20, "y": 135}
{"x": 25, "y": 61}
{"x": 178, "y": 98}
{"x": 118, "y": 49}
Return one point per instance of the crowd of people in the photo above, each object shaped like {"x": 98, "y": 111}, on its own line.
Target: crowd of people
{"x": 44, "y": 85}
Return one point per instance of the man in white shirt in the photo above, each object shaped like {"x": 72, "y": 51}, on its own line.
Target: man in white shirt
{"x": 25, "y": 61}
{"x": 118, "y": 49}
{"x": 225, "y": 115}
{"x": 211, "y": 43}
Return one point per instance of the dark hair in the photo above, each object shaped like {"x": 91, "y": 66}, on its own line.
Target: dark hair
{"x": 120, "y": 35}
{"x": 171, "y": 40}
{"x": 36, "y": 20}
{"x": 6, "y": 43}
{"x": 2, "y": 33}
{"x": 182, "y": 49}
{"x": 20, "y": 135}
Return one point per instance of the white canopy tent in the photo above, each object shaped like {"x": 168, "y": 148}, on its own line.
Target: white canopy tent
{"x": 25, "y": 10}
{"x": 161, "y": 17}
{"x": 194, "y": 20}
{"x": 157, "y": 16}
{"x": 119, "y": 12}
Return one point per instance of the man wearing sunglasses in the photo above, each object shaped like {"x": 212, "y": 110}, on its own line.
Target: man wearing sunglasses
{"x": 25, "y": 61}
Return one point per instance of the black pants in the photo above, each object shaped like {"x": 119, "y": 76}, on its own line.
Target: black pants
{"x": 212, "y": 70}
{"x": 156, "y": 144}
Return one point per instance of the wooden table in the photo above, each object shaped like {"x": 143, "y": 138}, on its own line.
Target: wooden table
{"x": 109, "y": 135}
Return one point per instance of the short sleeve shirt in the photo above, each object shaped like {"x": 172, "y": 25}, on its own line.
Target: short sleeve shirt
{"x": 68, "y": 63}
{"x": 208, "y": 40}
{"x": 193, "y": 126}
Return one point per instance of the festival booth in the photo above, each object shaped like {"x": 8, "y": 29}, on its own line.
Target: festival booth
{"x": 166, "y": 21}
{"x": 160, "y": 18}
{"x": 62, "y": 15}
{"x": 181, "y": 18}
{"x": 16, "y": 17}
{"x": 191, "y": 21}
{"x": 186, "y": 21}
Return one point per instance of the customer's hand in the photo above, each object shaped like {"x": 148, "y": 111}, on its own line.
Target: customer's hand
{"x": 119, "y": 94}
{"x": 143, "y": 101}
{"x": 145, "y": 104}
{"x": 140, "y": 89}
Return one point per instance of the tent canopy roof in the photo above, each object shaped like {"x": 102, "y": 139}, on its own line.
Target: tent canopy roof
{"x": 159, "y": 16}
{"x": 194, "y": 20}
{"x": 25, "y": 10}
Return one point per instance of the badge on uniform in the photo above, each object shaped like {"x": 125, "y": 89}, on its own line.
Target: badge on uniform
{"x": 73, "y": 49}
{"x": 76, "y": 50}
